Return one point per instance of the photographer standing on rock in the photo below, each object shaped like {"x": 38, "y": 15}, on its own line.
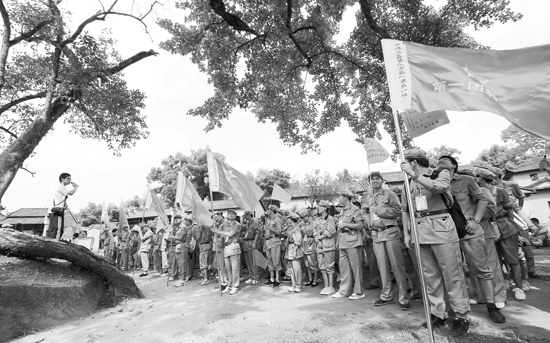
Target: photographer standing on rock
{"x": 57, "y": 213}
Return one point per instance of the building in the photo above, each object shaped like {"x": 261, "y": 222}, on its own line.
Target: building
{"x": 32, "y": 220}
{"x": 536, "y": 185}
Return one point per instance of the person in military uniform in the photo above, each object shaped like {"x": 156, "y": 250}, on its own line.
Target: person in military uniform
{"x": 273, "y": 230}
{"x": 325, "y": 239}
{"x": 218, "y": 246}
{"x": 490, "y": 235}
{"x": 310, "y": 246}
{"x": 473, "y": 203}
{"x": 508, "y": 230}
{"x": 230, "y": 232}
{"x": 123, "y": 247}
{"x": 350, "y": 243}
{"x": 438, "y": 239}
{"x": 251, "y": 239}
{"x": 294, "y": 252}
{"x": 203, "y": 236}
{"x": 384, "y": 208}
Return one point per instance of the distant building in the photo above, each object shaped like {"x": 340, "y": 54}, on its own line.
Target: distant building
{"x": 32, "y": 220}
{"x": 535, "y": 183}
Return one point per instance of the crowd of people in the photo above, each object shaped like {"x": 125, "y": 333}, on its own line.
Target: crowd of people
{"x": 333, "y": 243}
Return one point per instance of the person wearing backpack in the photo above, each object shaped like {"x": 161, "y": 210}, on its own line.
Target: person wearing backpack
{"x": 438, "y": 242}
{"x": 473, "y": 203}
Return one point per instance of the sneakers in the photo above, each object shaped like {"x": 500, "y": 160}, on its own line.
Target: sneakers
{"x": 314, "y": 284}
{"x": 495, "y": 315}
{"x": 179, "y": 283}
{"x": 308, "y": 283}
{"x": 269, "y": 283}
{"x": 459, "y": 326}
{"x": 381, "y": 302}
{"x": 276, "y": 284}
{"x": 291, "y": 289}
{"x": 338, "y": 295}
{"x": 143, "y": 274}
{"x": 472, "y": 301}
{"x": 500, "y": 305}
{"x": 324, "y": 291}
{"x": 356, "y": 296}
{"x": 436, "y": 322}
{"x": 331, "y": 290}
{"x": 405, "y": 307}
{"x": 171, "y": 278}
{"x": 525, "y": 286}
{"x": 226, "y": 290}
{"x": 234, "y": 290}
{"x": 297, "y": 289}
{"x": 255, "y": 282}
{"x": 249, "y": 281}
{"x": 519, "y": 294}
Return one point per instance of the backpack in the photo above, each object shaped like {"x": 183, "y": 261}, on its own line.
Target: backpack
{"x": 454, "y": 210}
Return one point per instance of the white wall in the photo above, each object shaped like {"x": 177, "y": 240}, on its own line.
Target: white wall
{"x": 536, "y": 205}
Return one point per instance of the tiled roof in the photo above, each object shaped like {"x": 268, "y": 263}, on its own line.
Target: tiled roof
{"x": 543, "y": 183}
{"x": 36, "y": 216}
{"x": 529, "y": 166}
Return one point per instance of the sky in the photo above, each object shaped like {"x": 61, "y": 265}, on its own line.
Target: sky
{"x": 173, "y": 86}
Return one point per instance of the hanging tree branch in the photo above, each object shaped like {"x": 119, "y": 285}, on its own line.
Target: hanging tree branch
{"x": 218, "y": 6}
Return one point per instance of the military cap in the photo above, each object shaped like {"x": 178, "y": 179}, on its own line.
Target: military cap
{"x": 376, "y": 174}
{"x": 232, "y": 211}
{"x": 273, "y": 208}
{"x": 347, "y": 193}
{"x": 466, "y": 170}
{"x": 248, "y": 212}
{"x": 485, "y": 173}
{"x": 323, "y": 203}
{"x": 497, "y": 171}
{"x": 293, "y": 215}
{"x": 415, "y": 153}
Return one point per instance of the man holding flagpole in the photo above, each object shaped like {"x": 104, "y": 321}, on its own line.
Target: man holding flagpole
{"x": 230, "y": 233}
{"x": 438, "y": 239}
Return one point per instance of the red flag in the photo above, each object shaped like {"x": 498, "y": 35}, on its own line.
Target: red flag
{"x": 512, "y": 83}
{"x": 226, "y": 179}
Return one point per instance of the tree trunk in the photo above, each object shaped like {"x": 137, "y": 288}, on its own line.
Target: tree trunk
{"x": 12, "y": 158}
{"x": 22, "y": 245}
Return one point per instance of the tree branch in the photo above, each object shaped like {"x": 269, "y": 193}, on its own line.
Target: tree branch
{"x": 31, "y": 32}
{"x": 366, "y": 8}
{"x": 12, "y": 103}
{"x": 5, "y": 43}
{"x": 128, "y": 62}
{"x": 8, "y": 131}
{"x": 30, "y": 172}
{"x": 292, "y": 38}
{"x": 218, "y": 6}
{"x": 264, "y": 36}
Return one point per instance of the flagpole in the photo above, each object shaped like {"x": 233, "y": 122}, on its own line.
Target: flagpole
{"x": 412, "y": 223}
{"x": 214, "y": 224}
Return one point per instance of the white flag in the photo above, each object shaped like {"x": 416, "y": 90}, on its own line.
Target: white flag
{"x": 375, "y": 151}
{"x": 280, "y": 194}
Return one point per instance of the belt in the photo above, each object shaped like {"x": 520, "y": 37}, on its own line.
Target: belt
{"x": 309, "y": 236}
{"x": 384, "y": 227}
{"x": 429, "y": 213}
{"x": 249, "y": 239}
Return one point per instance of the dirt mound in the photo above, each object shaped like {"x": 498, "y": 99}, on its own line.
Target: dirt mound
{"x": 36, "y": 295}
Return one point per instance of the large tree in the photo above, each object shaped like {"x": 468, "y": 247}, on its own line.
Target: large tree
{"x": 285, "y": 60}
{"x": 51, "y": 70}
{"x": 266, "y": 178}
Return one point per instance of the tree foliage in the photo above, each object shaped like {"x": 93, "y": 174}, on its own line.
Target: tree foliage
{"x": 49, "y": 71}
{"x": 319, "y": 186}
{"x": 266, "y": 178}
{"x": 524, "y": 142}
{"x": 435, "y": 153}
{"x": 91, "y": 214}
{"x": 194, "y": 167}
{"x": 285, "y": 60}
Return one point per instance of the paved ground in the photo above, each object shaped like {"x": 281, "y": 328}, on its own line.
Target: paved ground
{"x": 261, "y": 314}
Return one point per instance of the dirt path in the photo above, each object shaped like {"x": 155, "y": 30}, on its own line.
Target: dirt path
{"x": 261, "y": 314}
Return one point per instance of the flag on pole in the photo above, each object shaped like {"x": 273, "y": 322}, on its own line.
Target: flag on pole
{"x": 157, "y": 205}
{"x": 226, "y": 179}
{"x": 148, "y": 200}
{"x": 512, "y": 83}
{"x": 375, "y": 151}
{"x": 105, "y": 215}
{"x": 122, "y": 219}
{"x": 187, "y": 195}
{"x": 280, "y": 194}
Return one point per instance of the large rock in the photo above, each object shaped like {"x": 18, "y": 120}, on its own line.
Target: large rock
{"x": 36, "y": 295}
